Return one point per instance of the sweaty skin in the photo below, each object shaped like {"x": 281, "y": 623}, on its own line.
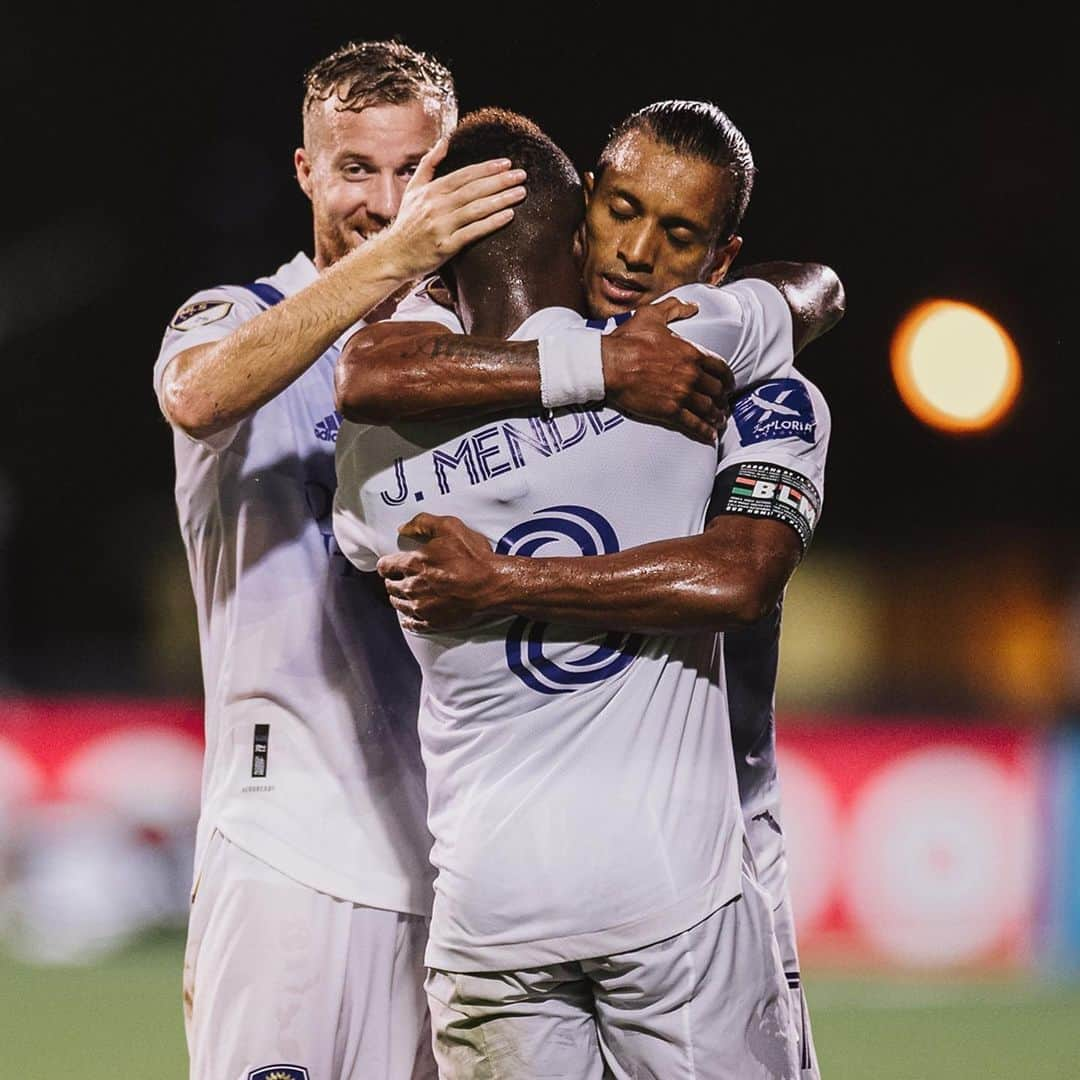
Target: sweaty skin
{"x": 729, "y": 576}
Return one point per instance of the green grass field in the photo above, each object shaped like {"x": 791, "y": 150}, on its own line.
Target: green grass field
{"x": 120, "y": 1020}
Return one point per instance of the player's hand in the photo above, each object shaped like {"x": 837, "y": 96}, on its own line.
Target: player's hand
{"x": 654, "y": 375}
{"x": 437, "y": 218}
{"x": 442, "y": 584}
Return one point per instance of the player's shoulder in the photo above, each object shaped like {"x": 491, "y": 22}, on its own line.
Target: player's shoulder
{"x": 551, "y": 320}
{"x": 217, "y": 303}
{"x": 791, "y": 407}
{"x": 428, "y": 302}
{"x": 817, "y": 398}
{"x": 747, "y": 300}
{"x": 812, "y": 389}
{"x": 716, "y": 298}
{"x": 237, "y": 303}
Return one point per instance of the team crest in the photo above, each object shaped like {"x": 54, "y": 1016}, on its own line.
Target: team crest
{"x": 201, "y": 313}
{"x": 279, "y": 1072}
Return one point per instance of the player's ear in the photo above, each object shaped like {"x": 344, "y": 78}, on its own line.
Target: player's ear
{"x": 302, "y": 164}
{"x": 578, "y": 246}
{"x": 589, "y": 183}
{"x": 721, "y": 259}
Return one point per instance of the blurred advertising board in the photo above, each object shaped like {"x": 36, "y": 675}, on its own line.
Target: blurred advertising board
{"x": 915, "y": 844}
{"x": 98, "y": 805}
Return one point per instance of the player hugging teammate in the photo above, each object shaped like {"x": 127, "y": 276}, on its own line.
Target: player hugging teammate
{"x": 313, "y": 881}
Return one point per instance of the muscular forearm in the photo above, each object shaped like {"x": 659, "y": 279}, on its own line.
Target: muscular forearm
{"x": 210, "y": 387}
{"x": 399, "y": 371}
{"x": 388, "y": 374}
{"x": 683, "y": 586}
{"x": 813, "y": 292}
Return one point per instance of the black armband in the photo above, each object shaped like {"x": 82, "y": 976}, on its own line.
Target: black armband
{"x": 761, "y": 489}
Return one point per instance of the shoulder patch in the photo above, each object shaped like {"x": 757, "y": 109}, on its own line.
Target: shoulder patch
{"x": 201, "y": 313}
{"x": 780, "y": 409}
{"x": 279, "y": 1072}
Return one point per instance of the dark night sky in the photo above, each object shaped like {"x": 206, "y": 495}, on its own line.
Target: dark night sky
{"x": 152, "y": 157}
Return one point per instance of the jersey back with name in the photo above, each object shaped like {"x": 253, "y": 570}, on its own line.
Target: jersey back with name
{"x": 581, "y": 786}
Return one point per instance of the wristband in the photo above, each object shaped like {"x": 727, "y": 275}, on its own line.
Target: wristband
{"x": 571, "y": 368}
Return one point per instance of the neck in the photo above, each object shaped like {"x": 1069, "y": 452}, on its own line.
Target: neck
{"x": 496, "y": 307}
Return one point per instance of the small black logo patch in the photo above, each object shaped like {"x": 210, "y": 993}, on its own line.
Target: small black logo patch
{"x": 260, "y": 754}
{"x": 279, "y": 1072}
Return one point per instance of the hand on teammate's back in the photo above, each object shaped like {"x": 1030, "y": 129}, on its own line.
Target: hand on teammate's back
{"x": 437, "y": 218}
{"x": 654, "y": 375}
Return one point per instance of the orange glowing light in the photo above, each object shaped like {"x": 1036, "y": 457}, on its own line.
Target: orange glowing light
{"x": 955, "y": 367}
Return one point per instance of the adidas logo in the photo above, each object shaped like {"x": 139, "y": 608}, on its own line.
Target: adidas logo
{"x": 326, "y": 430}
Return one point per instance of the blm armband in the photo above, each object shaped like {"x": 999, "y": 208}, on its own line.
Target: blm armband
{"x": 761, "y": 489}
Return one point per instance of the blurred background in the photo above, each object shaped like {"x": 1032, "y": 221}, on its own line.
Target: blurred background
{"x": 931, "y": 651}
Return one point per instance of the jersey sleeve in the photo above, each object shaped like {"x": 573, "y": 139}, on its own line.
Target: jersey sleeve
{"x": 748, "y": 324}
{"x": 207, "y": 316}
{"x": 353, "y": 534}
{"x": 772, "y": 455}
{"x": 419, "y": 307}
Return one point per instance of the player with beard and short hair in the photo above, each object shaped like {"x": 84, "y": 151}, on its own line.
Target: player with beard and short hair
{"x": 664, "y": 209}
{"x": 582, "y": 793}
{"x": 312, "y": 885}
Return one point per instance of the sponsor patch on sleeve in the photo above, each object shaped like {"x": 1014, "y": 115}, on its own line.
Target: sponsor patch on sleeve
{"x": 761, "y": 489}
{"x": 780, "y": 409}
{"x": 201, "y": 313}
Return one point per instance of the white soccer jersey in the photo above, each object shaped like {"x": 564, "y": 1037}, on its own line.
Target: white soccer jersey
{"x": 312, "y": 757}
{"x": 582, "y": 793}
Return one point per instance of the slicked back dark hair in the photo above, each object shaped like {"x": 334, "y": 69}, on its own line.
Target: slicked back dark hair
{"x": 365, "y": 73}
{"x": 553, "y": 205}
{"x": 702, "y": 130}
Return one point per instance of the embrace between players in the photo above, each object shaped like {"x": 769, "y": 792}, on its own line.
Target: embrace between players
{"x": 569, "y": 815}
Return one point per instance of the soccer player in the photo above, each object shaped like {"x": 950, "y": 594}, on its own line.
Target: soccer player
{"x": 312, "y": 885}
{"x": 312, "y": 879}
{"x": 583, "y": 797}
{"x": 670, "y": 165}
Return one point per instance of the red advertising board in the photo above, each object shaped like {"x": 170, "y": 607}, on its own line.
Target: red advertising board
{"x": 916, "y": 844}
{"x": 911, "y": 844}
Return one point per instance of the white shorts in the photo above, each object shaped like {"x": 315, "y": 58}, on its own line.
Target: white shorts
{"x": 770, "y": 857}
{"x": 277, "y": 974}
{"x": 710, "y": 1003}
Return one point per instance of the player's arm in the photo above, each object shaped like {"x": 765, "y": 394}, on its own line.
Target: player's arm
{"x": 729, "y": 576}
{"x": 211, "y": 386}
{"x": 399, "y": 371}
{"x": 765, "y": 505}
{"x": 813, "y": 292}
{"x": 759, "y": 322}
